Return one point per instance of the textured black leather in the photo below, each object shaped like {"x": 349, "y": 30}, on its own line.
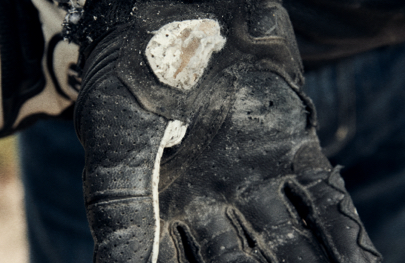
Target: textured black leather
{"x": 248, "y": 183}
{"x": 121, "y": 142}
{"x": 262, "y": 191}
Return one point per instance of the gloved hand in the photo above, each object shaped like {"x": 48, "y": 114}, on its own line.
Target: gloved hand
{"x": 200, "y": 146}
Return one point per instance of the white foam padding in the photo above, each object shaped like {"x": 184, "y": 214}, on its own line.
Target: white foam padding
{"x": 179, "y": 52}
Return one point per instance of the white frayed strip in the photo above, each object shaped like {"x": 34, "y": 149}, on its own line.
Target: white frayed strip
{"x": 179, "y": 52}
{"x": 173, "y": 135}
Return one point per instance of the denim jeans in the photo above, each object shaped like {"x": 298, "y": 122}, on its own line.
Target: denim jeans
{"x": 52, "y": 161}
{"x": 361, "y": 108}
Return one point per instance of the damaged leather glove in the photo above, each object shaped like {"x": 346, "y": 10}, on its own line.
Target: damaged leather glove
{"x": 200, "y": 145}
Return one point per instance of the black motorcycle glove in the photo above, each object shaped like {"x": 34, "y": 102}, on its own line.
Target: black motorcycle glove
{"x": 200, "y": 145}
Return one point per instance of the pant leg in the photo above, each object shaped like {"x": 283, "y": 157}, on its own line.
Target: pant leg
{"x": 52, "y": 160}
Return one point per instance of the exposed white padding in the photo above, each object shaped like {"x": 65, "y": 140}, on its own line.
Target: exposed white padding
{"x": 174, "y": 133}
{"x": 179, "y": 52}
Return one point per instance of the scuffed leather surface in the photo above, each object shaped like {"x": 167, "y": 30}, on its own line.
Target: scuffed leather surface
{"x": 257, "y": 188}
{"x": 262, "y": 191}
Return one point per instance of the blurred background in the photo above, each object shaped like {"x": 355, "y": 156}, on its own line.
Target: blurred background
{"x": 13, "y": 242}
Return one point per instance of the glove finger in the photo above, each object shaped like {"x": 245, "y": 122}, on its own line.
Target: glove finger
{"x": 277, "y": 225}
{"x": 330, "y": 212}
{"x": 206, "y": 234}
{"x": 167, "y": 250}
{"x": 323, "y": 202}
{"x": 121, "y": 141}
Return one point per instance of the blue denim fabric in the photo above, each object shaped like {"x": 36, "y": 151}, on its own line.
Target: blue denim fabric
{"x": 364, "y": 96}
{"x": 52, "y": 161}
{"x": 361, "y": 108}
